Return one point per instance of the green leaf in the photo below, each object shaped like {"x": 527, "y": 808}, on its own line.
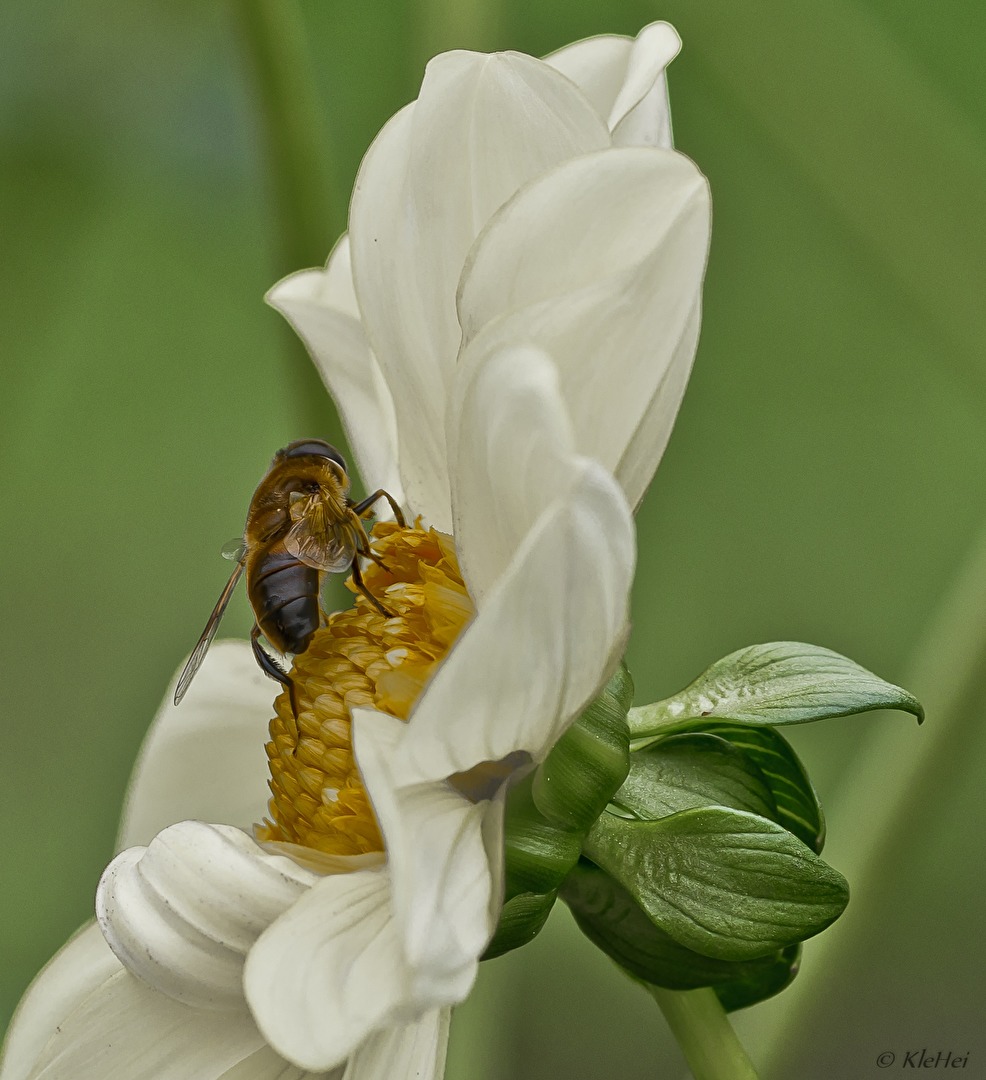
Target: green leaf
{"x": 615, "y": 923}
{"x": 794, "y": 797}
{"x": 521, "y": 920}
{"x": 783, "y": 682}
{"x": 699, "y": 769}
{"x": 726, "y": 883}
{"x": 756, "y": 983}
{"x": 574, "y": 784}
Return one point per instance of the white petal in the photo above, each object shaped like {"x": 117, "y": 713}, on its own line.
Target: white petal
{"x": 641, "y": 114}
{"x": 182, "y": 914}
{"x": 126, "y": 1031}
{"x": 321, "y": 306}
{"x": 625, "y": 80}
{"x": 493, "y": 841}
{"x": 205, "y": 759}
{"x": 545, "y": 639}
{"x": 330, "y": 971}
{"x": 481, "y": 128}
{"x": 512, "y": 451}
{"x": 338, "y": 291}
{"x": 414, "y": 1051}
{"x": 600, "y": 263}
{"x": 321, "y": 861}
{"x": 83, "y": 964}
{"x": 267, "y": 1064}
{"x": 597, "y": 66}
{"x": 439, "y": 866}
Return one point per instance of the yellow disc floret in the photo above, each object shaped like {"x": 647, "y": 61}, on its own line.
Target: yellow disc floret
{"x": 360, "y": 658}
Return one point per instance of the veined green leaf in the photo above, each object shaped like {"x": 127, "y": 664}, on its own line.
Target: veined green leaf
{"x": 725, "y": 883}
{"x": 613, "y": 921}
{"x": 782, "y": 682}
{"x": 794, "y": 797}
{"x": 697, "y": 769}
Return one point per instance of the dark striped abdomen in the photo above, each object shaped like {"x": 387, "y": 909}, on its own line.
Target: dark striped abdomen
{"x": 284, "y": 594}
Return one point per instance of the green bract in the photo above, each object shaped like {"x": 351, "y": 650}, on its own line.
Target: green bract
{"x": 610, "y": 918}
{"x": 767, "y": 756}
{"x": 782, "y": 682}
{"x": 549, "y": 813}
{"x": 726, "y": 883}
{"x": 685, "y": 835}
{"x": 698, "y": 769}
{"x": 521, "y": 920}
{"x": 538, "y": 853}
{"x": 590, "y": 761}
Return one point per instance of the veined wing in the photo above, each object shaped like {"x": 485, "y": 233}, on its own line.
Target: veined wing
{"x": 319, "y": 541}
{"x": 202, "y": 647}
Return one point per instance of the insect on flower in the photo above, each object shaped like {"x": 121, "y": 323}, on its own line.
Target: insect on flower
{"x": 508, "y": 328}
{"x": 301, "y": 525}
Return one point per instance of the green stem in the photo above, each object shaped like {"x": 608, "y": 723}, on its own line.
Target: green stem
{"x": 293, "y": 130}
{"x": 885, "y": 794}
{"x": 704, "y": 1033}
{"x": 293, "y": 136}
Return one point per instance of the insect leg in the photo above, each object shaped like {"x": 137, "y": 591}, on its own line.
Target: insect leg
{"x": 361, "y": 585}
{"x": 271, "y": 668}
{"x": 363, "y": 549}
{"x": 268, "y": 665}
{"x": 361, "y": 508}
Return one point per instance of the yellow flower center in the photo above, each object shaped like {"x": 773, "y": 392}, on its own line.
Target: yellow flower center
{"x": 360, "y": 658}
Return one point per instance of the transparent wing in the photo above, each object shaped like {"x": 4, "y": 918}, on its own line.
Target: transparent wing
{"x": 320, "y": 542}
{"x": 202, "y": 647}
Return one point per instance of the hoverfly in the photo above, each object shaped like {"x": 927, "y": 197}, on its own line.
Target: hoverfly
{"x": 301, "y": 525}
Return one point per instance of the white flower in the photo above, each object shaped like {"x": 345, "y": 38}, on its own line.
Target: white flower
{"x": 508, "y": 330}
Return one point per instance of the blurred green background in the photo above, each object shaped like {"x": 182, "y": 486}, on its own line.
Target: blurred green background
{"x": 825, "y": 481}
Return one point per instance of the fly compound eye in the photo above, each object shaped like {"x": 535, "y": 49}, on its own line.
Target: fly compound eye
{"x": 334, "y": 455}
{"x": 313, "y": 448}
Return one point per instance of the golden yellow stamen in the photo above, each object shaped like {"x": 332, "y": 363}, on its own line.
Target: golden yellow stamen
{"x": 360, "y": 657}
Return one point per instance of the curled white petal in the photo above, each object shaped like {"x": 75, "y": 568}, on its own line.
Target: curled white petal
{"x": 482, "y": 127}
{"x": 625, "y": 80}
{"x": 641, "y": 115}
{"x": 600, "y": 264}
{"x": 182, "y": 914}
{"x": 321, "y": 306}
{"x": 330, "y": 972}
{"x": 200, "y": 760}
{"x": 440, "y": 875}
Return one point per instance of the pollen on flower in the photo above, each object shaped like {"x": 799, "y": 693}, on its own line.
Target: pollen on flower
{"x": 360, "y": 657}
